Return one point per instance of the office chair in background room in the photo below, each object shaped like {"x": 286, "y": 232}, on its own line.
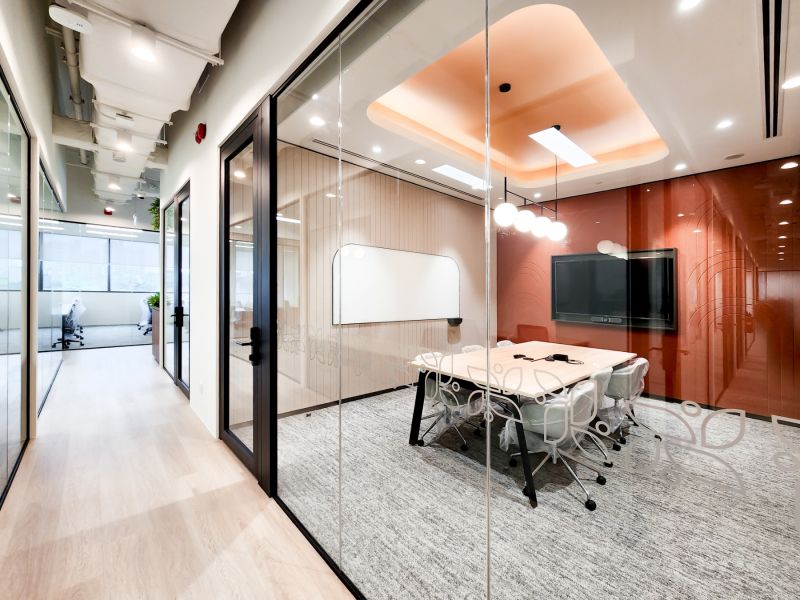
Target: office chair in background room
{"x": 626, "y": 386}
{"x": 454, "y": 402}
{"x": 80, "y": 310}
{"x": 70, "y": 328}
{"x": 555, "y": 428}
{"x": 504, "y": 343}
{"x": 145, "y": 317}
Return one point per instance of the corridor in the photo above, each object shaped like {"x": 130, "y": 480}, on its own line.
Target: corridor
{"x": 124, "y": 494}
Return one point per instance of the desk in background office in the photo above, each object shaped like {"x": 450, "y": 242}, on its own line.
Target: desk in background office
{"x": 471, "y": 368}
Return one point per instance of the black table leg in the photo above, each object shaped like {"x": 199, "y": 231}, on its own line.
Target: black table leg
{"x": 530, "y": 489}
{"x": 419, "y": 403}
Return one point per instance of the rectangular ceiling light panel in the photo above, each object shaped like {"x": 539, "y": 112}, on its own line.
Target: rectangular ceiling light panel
{"x": 563, "y": 147}
{"x": 476, "y": 183}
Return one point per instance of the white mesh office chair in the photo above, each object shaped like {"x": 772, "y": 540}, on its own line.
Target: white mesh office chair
{"x": 455, "y": 403}
{"x": 80, "y": 310}
{"x": 557, "y": 427}
{"x": 625, "y": 387}
{"x": 144, "y": 316}
{"x": 504, "y": 343}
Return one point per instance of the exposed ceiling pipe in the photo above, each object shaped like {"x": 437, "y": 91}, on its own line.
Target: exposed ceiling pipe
{"x": 71, "y": 50}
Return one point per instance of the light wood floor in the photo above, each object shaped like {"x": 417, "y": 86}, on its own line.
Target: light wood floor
{"x": 126, "y": 495}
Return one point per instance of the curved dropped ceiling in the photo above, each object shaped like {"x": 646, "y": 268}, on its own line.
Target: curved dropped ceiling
{"x": 558, "y": 75}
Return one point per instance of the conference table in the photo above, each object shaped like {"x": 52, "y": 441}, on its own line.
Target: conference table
{"x": 514, "y": 378}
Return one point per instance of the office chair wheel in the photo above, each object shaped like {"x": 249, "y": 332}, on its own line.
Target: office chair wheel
{"x": 476, "y": 432}
{"x": 525, "y": 491}
{"x": 658, "y": 437}
{"x": 420, "y": 443}
{"x": 622, "y": 440}
{"x": 512, "y": 462}
{"x": 464, "y": 447}
{"x": 82, "y": 344}
{"x": 616, "y": 447}
{"x": 601, "y": 480}
{"x": 608, "y": 464}
{"x": 590, "y": 504}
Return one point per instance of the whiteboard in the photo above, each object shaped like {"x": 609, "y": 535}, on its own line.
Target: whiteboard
{"x": 379, "y": 285}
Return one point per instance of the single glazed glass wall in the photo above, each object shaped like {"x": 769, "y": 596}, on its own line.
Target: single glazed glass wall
{"x": 14, "y": 172}
{"x": 537, "y": 303}
{"x": 49, "y": 355}
{"x": 94, "y": 285}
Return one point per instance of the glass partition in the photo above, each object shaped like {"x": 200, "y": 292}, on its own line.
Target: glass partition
{"x": 14, "y": 173}
{"x": 94, "y": 283}
{"x": 49, "y": 356}
{"x": 536, "y": 301}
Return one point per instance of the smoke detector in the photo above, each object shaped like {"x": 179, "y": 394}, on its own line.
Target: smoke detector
{"x": 72, "y": 17}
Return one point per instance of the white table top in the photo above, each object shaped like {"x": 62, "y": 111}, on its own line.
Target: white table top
{"x": 516, "y": 376}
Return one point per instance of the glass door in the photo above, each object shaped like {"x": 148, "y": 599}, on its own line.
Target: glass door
{"x": 170, "y": 289}
{"x": 241, "y": 339}
{"x": 177, "y": 263}
{"x": 182, "y": 310}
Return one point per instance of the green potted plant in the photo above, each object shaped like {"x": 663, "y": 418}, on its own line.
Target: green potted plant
{"x": 154, "y": 300}
{"x": 155, "y": 213}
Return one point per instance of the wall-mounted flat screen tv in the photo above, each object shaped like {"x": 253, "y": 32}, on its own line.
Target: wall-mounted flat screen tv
{"x": 635, "y": 291}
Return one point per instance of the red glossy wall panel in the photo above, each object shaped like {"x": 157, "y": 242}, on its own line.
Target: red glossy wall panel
{"x": 738, "y": 304}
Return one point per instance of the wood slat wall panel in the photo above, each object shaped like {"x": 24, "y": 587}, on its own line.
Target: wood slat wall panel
{"x": 377, "y": 210}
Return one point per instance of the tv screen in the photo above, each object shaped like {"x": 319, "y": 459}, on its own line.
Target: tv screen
{"x": 636, "y": 291}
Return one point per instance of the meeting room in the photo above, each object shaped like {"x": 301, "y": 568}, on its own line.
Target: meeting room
{"x": 538, "y": 292}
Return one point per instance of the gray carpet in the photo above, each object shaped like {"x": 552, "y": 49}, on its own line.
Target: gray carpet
{"x": 414, "y": 519}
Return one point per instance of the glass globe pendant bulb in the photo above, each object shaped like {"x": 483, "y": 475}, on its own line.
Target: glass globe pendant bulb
{"x": 558, "y": 231}
{"x": 541, "y": 226}
{"x": 504, "y": 214}
{"x": 524, "y": 221}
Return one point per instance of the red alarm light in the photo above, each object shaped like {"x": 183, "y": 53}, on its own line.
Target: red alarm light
{"x": 200, "y": 134}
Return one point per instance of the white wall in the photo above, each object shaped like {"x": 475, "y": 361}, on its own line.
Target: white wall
{"x": 262, "y": 41}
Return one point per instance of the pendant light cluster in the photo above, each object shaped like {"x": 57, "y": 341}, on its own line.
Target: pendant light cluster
{"x": 525, "y": 221}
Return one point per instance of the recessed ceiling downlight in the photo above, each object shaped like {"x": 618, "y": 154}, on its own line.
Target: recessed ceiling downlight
{"x": 75, "y": 18}
{"x": 724, "y": 124}
{"x": 789, "y": 165}
{"x": 734, "y": 156}
{"x": 687, "y": 5}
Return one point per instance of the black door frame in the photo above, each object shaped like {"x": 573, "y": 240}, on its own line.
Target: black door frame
{"x": 251, "y": 131}
{"x": 177, "y": 201}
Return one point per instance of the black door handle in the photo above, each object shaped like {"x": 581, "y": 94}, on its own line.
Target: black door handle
{"x": 255, "y": 342}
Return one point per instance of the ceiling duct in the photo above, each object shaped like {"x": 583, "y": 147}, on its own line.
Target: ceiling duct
{"x": 773, "y": 36}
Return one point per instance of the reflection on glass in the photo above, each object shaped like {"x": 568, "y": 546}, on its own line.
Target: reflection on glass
{"x": 170, "y": 289}
{"x": 240, "y": 299}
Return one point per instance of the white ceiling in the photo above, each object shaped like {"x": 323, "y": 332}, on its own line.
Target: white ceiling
{"x": 149, "y": 92}
{"x": 688, "y": 71}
